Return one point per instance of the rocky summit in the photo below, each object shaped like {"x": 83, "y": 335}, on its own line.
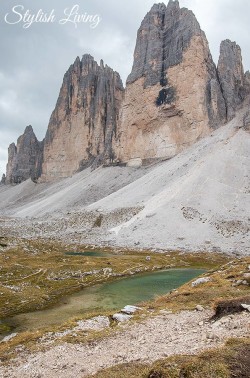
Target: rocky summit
{"x": 173, "y": 95}
{"x": 25, "y": 158}
{"x": 231, "y": 75}
{"x": 85, "y": 120}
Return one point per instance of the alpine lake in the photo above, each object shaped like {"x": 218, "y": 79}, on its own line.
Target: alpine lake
{"x": 45, "y": 285}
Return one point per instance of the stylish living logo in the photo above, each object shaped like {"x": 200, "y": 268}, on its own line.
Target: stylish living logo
{"x": 20, "y": 15}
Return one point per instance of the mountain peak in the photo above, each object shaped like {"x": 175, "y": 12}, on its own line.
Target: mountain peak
{"x": 29, "y": 130}
{"x": 164, "y": 34}
{"x": 25, "y": 158}
{"x": 158, "y": 7}
{"x": 173, "y": 4}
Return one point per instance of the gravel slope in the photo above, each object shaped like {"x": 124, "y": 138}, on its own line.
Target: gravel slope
{"x": 188, "y": 332}
{"x": 199, "y": 200}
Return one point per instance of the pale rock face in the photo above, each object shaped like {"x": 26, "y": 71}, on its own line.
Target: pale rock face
{"x": 25, "y": 158}
{"x": 247, "y": 84}
{"x": 84, "y": 121}
{"x": 231, "y": 75}
{"x": 246, "y": 121}
{"x": 12, "y": 161}
{"x": 173, "y": 96}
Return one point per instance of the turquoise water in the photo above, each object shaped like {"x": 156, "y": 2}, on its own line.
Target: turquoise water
{"x": 109, "y": 296}
{"x": 140, "y": 288}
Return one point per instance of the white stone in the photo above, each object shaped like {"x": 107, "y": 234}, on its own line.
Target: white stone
{"x": 121, "y": 317}
{"x": 246, "y": 306}
{"x": 130, "y": 309}
{"x": 199, "y": 308}
{"x": 134, "y": 163}
{"x": 200, "y": 281}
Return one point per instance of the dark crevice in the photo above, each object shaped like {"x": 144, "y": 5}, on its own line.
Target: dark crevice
{"x": 222, "y": 92}
{"x": 166, "y": 96}
{"x": 163, "y": 79}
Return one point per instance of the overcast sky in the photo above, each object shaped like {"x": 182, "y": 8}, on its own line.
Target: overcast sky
{"x": 33, "y": 60}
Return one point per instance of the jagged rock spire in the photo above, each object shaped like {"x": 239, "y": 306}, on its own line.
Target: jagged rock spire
{"x": 173, "y": 96}
{"x": 231, "y": 75}
{"x": 164, "y": 34}
{"x": 85, "y": 119}
{"x": 25, "y": 158}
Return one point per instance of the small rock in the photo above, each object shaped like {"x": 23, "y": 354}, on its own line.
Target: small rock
{"x": 199, "y": 308}
{"x": 224, "y": 320}
{"x": 245, "y": 306}
{"x": 165, "y": 312}
{"x": 201, "y": 323}
{"x": 200, "y": 281}
{"x": 121, "y": 317}
{"x": 107, "y": 271}
{"x": 212, "y": 336}
{"x": 130, "y": 309}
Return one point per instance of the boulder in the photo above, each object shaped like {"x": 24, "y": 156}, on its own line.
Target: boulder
{"x": 200, "y": 281}
{"x": 121, "y": 317}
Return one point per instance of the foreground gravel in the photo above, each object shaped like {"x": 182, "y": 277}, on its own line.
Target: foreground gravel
{"x": 188, "y": 332}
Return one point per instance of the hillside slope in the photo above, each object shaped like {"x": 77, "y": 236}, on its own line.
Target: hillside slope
{"x": 196, "y": 200}
{"x": 199, "y": 200}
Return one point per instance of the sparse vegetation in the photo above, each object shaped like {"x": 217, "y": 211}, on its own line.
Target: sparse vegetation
{"x": 35, "y": 274}
{"x": 231, "y": 361}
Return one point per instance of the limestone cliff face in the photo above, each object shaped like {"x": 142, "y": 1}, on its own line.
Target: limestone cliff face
{"x": 173, "y": 96}
{"x": 85, "y": 119}
{"x": 247, "y": 84}
{"x": 232, "y": 78}
{"x": 25, "y": 158}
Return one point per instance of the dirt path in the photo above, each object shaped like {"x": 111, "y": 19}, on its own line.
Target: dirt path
{"x": 188, "y": 332}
